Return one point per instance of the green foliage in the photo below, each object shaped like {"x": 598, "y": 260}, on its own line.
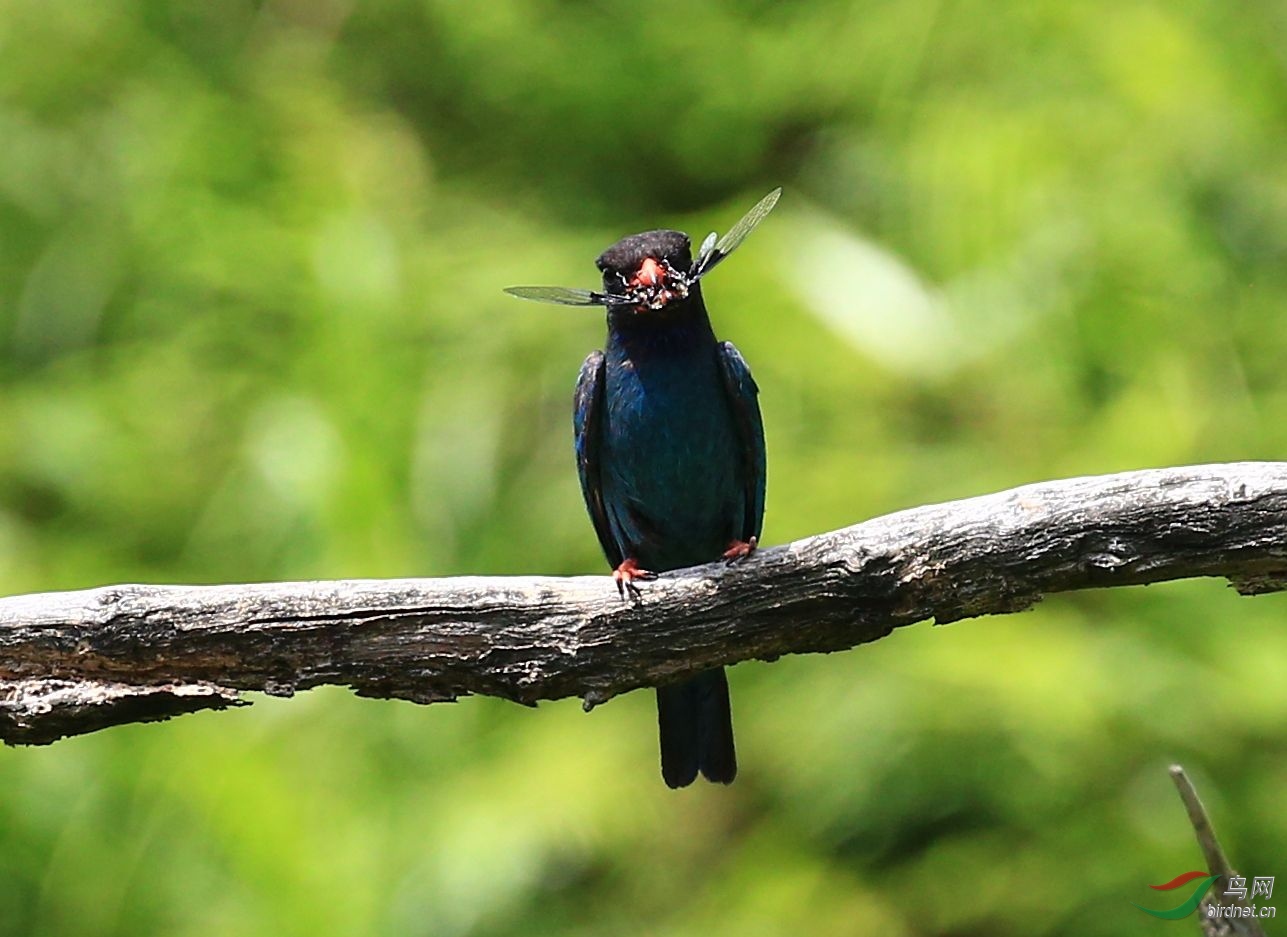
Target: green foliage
{"x": 251, "y": 327}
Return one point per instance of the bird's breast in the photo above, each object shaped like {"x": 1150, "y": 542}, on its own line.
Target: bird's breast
{"x": 670, "y": 457}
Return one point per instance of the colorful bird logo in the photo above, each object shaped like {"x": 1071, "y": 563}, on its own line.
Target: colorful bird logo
{"x": 1190, "y": 905}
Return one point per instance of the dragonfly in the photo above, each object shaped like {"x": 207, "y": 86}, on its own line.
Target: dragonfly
{"x": 670, "y": 284}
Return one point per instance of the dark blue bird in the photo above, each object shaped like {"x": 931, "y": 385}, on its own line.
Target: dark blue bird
{"x": 670, "y": 451}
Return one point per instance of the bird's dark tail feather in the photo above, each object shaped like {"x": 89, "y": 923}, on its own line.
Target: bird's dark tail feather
{"x": 696, "y": 726}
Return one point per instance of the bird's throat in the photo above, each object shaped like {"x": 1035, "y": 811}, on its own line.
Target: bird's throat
{"x": 681, "y": 328}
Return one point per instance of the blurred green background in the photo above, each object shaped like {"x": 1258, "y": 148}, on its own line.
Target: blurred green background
{"x": 251, "y": 327}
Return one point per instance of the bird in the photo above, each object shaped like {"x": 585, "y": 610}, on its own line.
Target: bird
{"x": 670, "y": 451}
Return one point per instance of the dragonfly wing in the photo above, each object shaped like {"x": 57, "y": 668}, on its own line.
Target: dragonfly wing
{"x": 707, "y": 246}
{"x": 559, "y": 295}
{"x": 707, "y": 260}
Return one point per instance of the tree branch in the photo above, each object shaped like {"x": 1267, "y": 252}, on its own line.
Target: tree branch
{"x": 74, "y": 662}
{"x": 1212, "y": 922}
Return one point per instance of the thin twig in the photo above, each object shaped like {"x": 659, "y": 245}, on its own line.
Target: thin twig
{"x": 1213, "y": 923}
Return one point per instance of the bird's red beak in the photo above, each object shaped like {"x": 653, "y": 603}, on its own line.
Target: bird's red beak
{"x": 650, "y": 273}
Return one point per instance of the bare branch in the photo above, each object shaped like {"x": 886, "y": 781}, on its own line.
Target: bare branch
{"x": 1212, "y": 854}
{"x": 74, "y": 662}
{"x": 1213, "y": 923}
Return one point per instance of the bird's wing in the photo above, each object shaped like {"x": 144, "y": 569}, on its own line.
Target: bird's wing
{"x": 743, "y": 399}
{"x": 587, "y": 420}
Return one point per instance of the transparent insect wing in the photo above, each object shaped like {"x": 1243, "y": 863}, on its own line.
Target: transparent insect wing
{"x": 562, "y": 295}
{"x": 736, "y": 235}
{"x": 707, "y": 246}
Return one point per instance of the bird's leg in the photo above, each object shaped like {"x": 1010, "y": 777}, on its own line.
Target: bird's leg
{"x": 626, "y": 574}
{"x": 740, "y": 550}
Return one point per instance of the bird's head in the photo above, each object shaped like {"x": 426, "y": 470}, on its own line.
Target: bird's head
{"x": 650, "y": 270}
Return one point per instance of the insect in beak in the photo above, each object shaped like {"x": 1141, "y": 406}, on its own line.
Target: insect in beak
{"x": 656, "y": 283}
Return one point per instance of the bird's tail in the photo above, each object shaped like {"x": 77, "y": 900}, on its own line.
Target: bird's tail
{"x": 696, "y": 726}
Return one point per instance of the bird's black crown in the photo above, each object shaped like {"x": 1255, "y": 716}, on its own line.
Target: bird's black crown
{"x": 624, "y": 257}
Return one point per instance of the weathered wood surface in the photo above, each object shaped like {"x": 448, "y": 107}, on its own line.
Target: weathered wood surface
{"x": 74, "y": 662}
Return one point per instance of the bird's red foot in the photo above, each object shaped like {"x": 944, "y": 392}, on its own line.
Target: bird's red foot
{"x": 740, "y": 550}
{"x": 626, "y": 574}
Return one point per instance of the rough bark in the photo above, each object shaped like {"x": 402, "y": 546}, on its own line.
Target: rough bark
{"x": 74, "y": 662}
